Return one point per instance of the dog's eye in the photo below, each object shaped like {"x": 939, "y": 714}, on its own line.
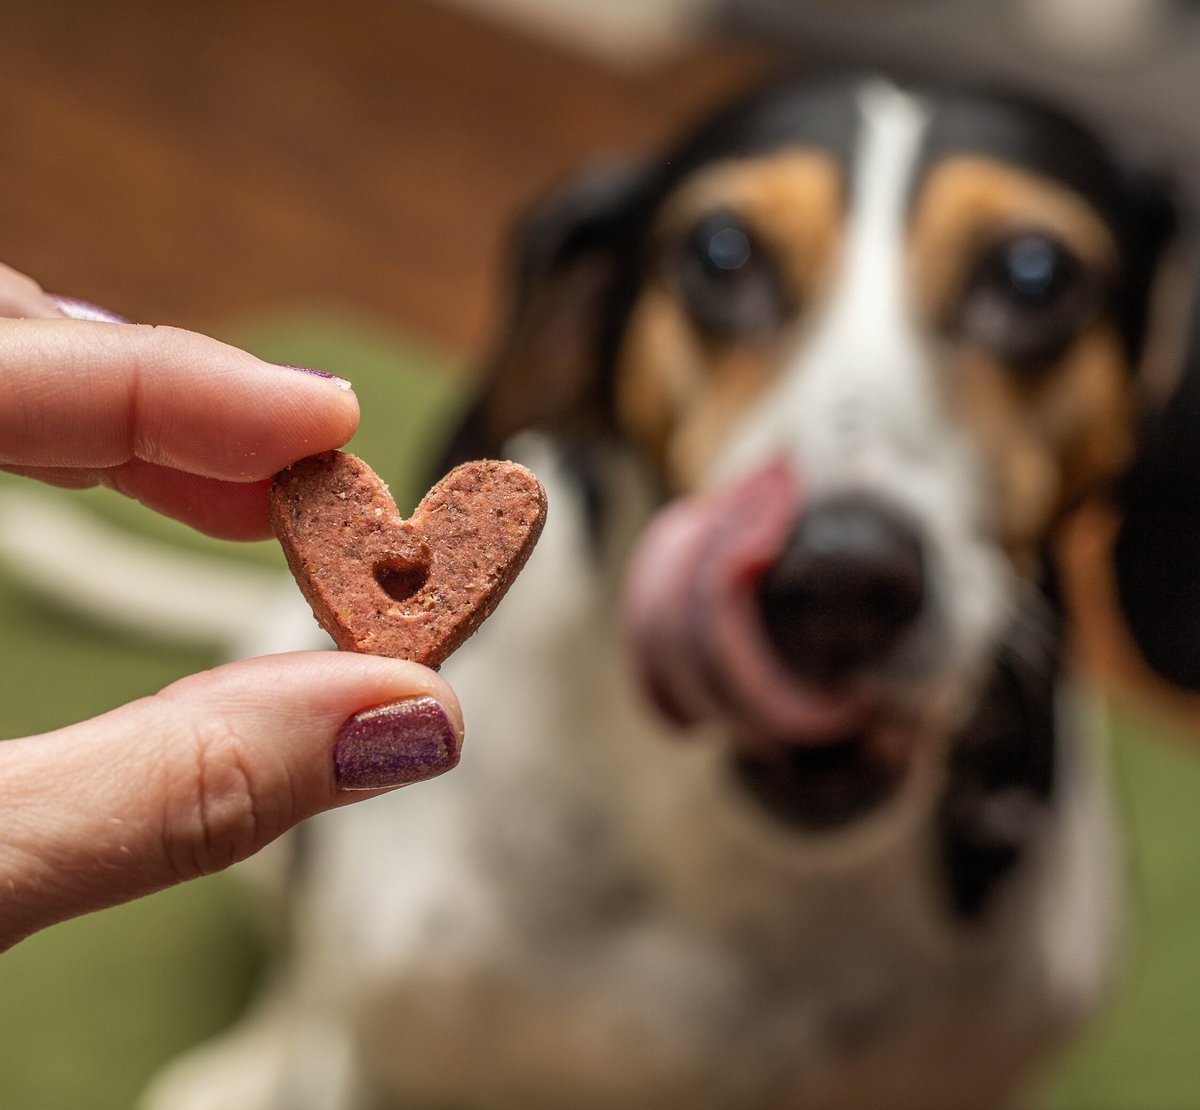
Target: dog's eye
{"x": 1027, "y": 300}
{"x": 726, "y": 280}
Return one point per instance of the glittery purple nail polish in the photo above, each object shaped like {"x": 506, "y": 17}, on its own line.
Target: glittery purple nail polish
{"x": 395, "y": 744}
{"x": 85, "y": 310}
{"x": 341, "y": 383}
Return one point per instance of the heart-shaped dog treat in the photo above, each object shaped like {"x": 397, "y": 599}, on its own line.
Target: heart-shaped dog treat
{"x": 412, "y": 589}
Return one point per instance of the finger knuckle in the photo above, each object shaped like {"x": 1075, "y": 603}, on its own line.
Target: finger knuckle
{"x": 217, "y": 810}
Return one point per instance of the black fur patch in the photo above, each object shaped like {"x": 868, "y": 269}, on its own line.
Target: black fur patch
{"x": 1157, "y": 553}
{"x": 1001, "y": 771}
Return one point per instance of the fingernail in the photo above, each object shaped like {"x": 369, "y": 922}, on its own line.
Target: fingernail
{"x": 341, "y": 383}
{"x": 85, "y": 310}
{"x": 395, "y": 744}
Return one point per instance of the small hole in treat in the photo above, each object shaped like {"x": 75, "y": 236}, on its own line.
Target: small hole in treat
{"x": 400, "y": 579}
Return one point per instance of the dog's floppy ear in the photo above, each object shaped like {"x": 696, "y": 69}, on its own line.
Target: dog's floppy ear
{"x": 1149, "y": 217}
{"x": 1157, "y": 549}
{"x": 550, "y": 366}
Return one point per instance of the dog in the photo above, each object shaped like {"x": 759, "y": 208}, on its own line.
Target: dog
{"x": 781, "y": 787}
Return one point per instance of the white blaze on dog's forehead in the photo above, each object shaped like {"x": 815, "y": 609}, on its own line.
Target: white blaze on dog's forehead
{"x": 858, "y": 405}
{"x": 859, "y": 383}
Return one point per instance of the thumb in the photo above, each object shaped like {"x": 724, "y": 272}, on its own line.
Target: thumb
{"x": 205, "y": 773}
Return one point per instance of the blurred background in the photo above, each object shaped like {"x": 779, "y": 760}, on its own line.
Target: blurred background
{"x": 334, "y": 186}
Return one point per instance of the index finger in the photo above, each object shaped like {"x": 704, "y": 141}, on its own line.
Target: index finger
{"x": 80, "y": 394}
{"x": 22, "y": 296}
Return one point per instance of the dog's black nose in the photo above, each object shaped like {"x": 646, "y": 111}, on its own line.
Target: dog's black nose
{"x": 850, "y": 581}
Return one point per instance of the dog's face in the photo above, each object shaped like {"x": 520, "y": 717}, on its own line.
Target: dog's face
{"x": 875, "y": 345}
{"x": 901, "y": 312}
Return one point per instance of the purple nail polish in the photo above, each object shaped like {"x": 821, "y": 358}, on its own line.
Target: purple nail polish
{"x": 395, "y": 744}
{"x": 85, "y": 310}
{"x": 341, "y": 383}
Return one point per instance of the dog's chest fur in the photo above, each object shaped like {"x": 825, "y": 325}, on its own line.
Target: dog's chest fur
{"x": 591, "y": 915}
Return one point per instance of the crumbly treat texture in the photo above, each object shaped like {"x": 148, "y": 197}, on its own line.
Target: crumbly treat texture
{"x": 410, "y": 589}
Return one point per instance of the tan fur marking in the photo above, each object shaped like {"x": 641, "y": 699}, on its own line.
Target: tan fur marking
{"x": 662, "y": 367}
{"x": 678, "y": 394}
{"x": 743, "y": 376}
{"x": 968, "y": 203}
{"x": 1047, "y": 445}
{"x": 791, "y": 201}
{"x": 1048, "y": 441}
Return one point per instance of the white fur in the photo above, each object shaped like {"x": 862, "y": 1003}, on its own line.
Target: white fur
{"x": 463, "y": 938}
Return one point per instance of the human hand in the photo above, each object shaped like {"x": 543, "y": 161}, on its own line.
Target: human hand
{"x": 215, "y": 766}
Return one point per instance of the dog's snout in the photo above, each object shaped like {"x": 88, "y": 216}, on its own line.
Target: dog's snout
{"x": 850, "y": 581}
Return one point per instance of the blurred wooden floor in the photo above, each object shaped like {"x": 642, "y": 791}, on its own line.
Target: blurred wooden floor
{"x": 204, "y": 159}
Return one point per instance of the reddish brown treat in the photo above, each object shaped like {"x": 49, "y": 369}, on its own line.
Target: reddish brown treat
{"x": 412, "y": 589}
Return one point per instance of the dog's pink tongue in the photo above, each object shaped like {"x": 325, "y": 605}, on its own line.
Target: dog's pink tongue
{"x": 693, "y": 617}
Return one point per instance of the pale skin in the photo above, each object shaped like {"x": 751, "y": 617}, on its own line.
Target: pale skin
{"x": 209, "y": 770}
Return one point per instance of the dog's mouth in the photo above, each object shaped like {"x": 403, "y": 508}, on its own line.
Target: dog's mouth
{"x": 819, "y": 786}
{"x": 719, "y": 606}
